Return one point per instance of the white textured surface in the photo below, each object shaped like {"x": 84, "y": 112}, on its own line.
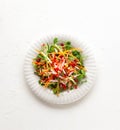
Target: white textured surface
{"x": 22, "y": 23}
{"x": 65, "y": 97}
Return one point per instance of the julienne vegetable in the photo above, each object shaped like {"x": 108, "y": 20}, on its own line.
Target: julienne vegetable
{"x": 60, "y": 66}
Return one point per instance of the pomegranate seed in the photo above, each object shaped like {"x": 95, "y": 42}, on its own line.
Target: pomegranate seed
{"x": 62, "y": 44}
{"x": 64, "y": 86}
{"x": 76, "y": 80}
{"x": 38, "y": 60}
{"x": 43, "y": 44}
{"x": 75, "y": 60}
{"x": 75, "y": 86}
{"x": 61, "y": 56}
{"x": 56, "y": 69}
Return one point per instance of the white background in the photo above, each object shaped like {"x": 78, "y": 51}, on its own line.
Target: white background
{"x": 24, "y": 22}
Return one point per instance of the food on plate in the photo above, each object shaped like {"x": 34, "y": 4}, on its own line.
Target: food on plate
{"x": 60, "y": 66}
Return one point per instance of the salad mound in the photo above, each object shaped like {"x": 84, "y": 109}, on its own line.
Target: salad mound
{"x": 60, "y": 66}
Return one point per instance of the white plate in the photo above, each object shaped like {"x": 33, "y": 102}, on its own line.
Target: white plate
{"x": 65, "y": 97}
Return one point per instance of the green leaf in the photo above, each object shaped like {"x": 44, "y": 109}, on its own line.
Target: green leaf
{"x": 68, "y": 43}
{"x": 80, "y": 77}
{"x": 68, "y": 47}
{"x": 55, "y": 90}
{"x": 40, "y": 83}
{"x": 40, "y": 56}
{"x": 51, "y": 49}
{"x": 71, "y": 58}
{"x": 82, "y": 72}
{"x": 76, "y": 54}
{"x": 52, "y": 86}
{"x": 35, "y": 66}
{"x": 55, "y": 40}
{"x": 71, "y": 88}
{"x": 36, "y": 73}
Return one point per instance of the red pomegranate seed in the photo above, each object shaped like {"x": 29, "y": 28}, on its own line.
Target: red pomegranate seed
{"x": 61, "y": 56}
{"x": 63, "y": 86}
{"x": 38, "y": 60}
{"x": 75, "y": 60}
{"x": 75, "y": 86}
{"x": 76, "y": 80}
{"x": 43, "y": 44}
{"x": 56, "y": 69}
{"x": 62, "y": 44}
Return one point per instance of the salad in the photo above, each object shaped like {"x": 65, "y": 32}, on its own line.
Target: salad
{"x": 60, "y": 66}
